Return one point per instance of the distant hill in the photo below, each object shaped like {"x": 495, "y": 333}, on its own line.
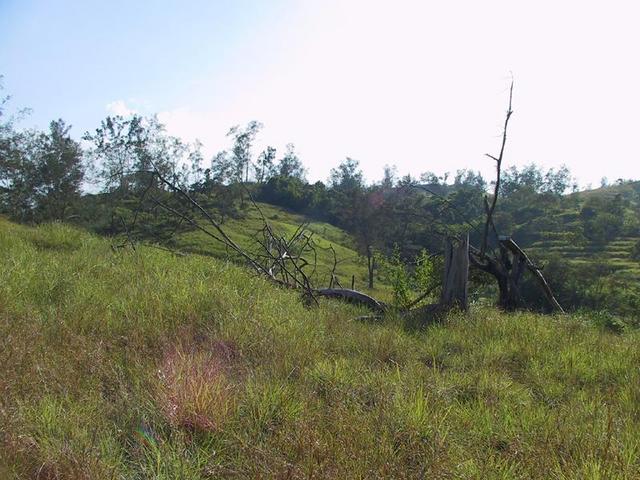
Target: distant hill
{"x": 629, "y": 190}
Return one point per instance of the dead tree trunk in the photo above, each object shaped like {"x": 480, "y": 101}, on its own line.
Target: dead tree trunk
{"x": 455, "y": 284}
{"x": 518, "y": 262}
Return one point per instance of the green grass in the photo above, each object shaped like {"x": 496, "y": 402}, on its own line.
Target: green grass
{"x": 141, "y": 364}
{"x": 242, "y": 231}
{"x": 616, "y": 254}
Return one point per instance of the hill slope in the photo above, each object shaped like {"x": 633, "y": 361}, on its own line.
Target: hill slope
{"x": 140, "y": 364}
{"x": 617, "y": 252}
{"x": 325, "y": 236}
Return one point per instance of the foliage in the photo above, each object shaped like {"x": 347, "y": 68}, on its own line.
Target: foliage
{"x": 290, "y": 165}
{"x": 425, "y": 272}
{"x": 398, "y": 277}
{"x": 241, "y": 154}
{"x": 124, "y": 150}
{"x": 635, "y": 252}
{"x": 40, "y": 174}
{"x": 590, "y": 286}
{"x": 407, "y": 283}
{"x": 265, "y": 165}
{"x": 41, "y": 178}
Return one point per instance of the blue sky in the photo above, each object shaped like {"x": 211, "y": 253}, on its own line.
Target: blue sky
{"x": 72, "y": 58}
{"x": 419, "y": 84}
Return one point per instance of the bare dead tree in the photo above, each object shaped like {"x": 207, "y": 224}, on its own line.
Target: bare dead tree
{"x": 509, "y": 263}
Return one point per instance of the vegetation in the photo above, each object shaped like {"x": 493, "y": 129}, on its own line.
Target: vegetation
{"x": 588, "y": 239}
{"x": 141, "y": 364}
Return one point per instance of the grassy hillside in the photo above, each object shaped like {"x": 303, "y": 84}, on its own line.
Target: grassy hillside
{"x": 616, "y": 253}
{"x": 627, "y": 189}
{"x": 244, "y": 230}
{"x": 147, "y": 365}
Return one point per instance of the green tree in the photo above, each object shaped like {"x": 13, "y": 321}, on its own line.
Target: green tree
{"x": 399, "y": 278}
{"x": 17, "y": 174}
{"x": 16, "y": 169}
{"x": 219, "y": 184}
{"x": 243, "y": 139}
{"x": 59, "y": 172}
{"x": 265, "y": 165}
{"x": 290, "y": 164}
{"x": 114, "y": 148}
{"x": 41, "y": 174}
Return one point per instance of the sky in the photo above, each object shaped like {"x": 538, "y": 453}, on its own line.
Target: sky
{"x": 422, "y": 85}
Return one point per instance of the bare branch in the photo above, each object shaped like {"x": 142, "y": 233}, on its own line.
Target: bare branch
{"x": 498, "y": 160}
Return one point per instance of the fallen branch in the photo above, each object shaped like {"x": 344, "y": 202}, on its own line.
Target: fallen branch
{"x": 353, "y": 296}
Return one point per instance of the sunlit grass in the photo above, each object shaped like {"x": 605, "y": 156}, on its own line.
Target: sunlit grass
{"x": 140, "y": 364}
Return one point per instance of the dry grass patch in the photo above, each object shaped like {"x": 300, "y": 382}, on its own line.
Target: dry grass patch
{"x": 197, "y": 385}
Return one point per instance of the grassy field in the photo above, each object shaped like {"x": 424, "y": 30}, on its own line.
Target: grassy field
{"x": 141, "y": 364}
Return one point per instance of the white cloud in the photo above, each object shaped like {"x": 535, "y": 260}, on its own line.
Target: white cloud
{"x": 120, "y": 107}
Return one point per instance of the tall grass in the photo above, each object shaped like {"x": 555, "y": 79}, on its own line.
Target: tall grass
{"x": 138, "y": 364}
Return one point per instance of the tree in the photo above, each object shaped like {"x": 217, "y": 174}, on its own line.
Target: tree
{"x": 366, "y": 226}
{"x": 41, "y": 174}
{"x": 219, "y": 183}
{"x": 290, "y": 164}
{"x": 265, "y": 165}
{"x": 470, "y": 179}
{"x": 59, "y": 172}
{"x": 430, "y": 178}
{"x": 346, "y": 177}
{"x": 356, "y": 208}
{"x": 507, "y": 265}
{"x": 17, "y": 174}
{"x": 558, "y": 182}
{"x": 113, "y": 153}
{"x": 346, "y": 183}
{"x": 125, "y": 150}
{"x": 389, "y": 177}
{"x": 602, "y": 218}
{"x": 16, "y": 170}
{"x": 243, "y": 139}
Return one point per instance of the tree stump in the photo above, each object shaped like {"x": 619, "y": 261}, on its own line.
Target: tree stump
{"x": 455, "y": 285}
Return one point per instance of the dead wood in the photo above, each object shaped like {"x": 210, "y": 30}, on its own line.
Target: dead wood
{"x": 291, "y": 262}
{"x": 498, "y": 161}
{"x": 352, "y": 296}
{"x": 513, "y": 247}
{"x": 456, "y": 273}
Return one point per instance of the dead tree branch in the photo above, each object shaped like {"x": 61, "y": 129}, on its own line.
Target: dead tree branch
{"x": 498, "y": 161}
